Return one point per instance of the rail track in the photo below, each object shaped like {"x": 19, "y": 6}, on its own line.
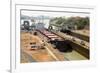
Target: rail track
{"x": 44, "y": 54}
{"x": 78, "y": 34}
{"x": 49, "y": 46}
{"x": 81, "y": 48}
{"x": 71, "y": 45}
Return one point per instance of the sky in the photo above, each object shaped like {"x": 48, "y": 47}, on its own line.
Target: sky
{"x": 52, "y": 14}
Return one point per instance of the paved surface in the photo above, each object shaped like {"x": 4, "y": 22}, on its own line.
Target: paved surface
{"x": 77, "y": 40}
{"x": 74, "y": 56}
{"x": 82, "y": 32}
{"x": 25, "y": 58}
{"x": 43, "y": 55}
{"x": 69, "y": 55}
{"x": 40, "y": 55}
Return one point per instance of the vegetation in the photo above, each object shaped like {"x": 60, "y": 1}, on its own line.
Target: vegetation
{"x": 79, "y": 22}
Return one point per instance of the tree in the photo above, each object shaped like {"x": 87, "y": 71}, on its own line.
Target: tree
{"x": 71, "y": 22}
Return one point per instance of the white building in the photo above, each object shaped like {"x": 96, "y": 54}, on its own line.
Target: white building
{"x": 41, "y": 23}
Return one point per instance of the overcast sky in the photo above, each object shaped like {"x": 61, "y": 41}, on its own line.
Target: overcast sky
{"x": 52, "y": 14}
